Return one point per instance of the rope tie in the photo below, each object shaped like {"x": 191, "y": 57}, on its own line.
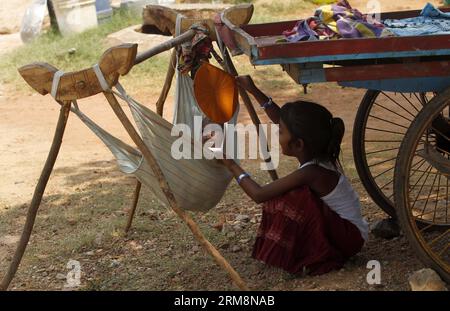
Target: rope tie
{"x": 101, "y": 78}
{"x": 55, "y": 84}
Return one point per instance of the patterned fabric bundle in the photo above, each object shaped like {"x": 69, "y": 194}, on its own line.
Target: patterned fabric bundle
{"x": 337, "y": 21}
{"x": 196, "y": 50}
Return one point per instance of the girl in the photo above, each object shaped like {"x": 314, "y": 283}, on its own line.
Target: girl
{"x": 311, "y": 220}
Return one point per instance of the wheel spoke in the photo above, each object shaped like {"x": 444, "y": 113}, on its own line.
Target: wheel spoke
{"x": 398, "y": 104}
{"x": 397, "y": 114}
{"x": 409, "y": 102}
{"x": 418, "y": 194}
{"x": 385, "y": 131}
{"x": 384, "y": 172}
{"x": 446, "y": 204}
{"x": 382, "y": 141}
{"x": 439, "y": 237}
{"x": 442, "y": 135}
{"x": 429, "y": 194}
{"x": 390, "y": 122}
{"x": 437, "y": 197}
{"x": 385, "y": 185}
{"x": 422, "y": 102}
{"x": 383, "y": 150}
{"x": 443, "y": 249}
{"x": 384, "y": 161}
{"x": 426, "y": 227}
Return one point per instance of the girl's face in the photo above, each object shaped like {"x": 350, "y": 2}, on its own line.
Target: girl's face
{"x": 284, "y": 138}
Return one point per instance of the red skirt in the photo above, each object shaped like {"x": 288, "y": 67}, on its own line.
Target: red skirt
{"x": 301, "y": 234}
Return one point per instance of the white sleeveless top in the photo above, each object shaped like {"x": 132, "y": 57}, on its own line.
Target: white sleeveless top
{"x": 344, "y": 200}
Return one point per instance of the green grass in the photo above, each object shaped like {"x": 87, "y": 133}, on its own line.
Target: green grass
{"x": 323, "y": 2}
{"x": 273, "y": 11}
{"x": 54, "y": 49}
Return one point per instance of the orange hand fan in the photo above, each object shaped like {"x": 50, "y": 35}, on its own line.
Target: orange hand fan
{"x": 216, "y": 93}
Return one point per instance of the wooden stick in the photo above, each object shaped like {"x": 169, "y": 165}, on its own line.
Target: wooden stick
{"x": 148, "y": 156}
{"x": 159, "y": 110}
{"x": 159, "y": 104}
{"x": 184, "y": 37}
{"x": 167, "y": 84}
{"x": 37, "y": 196}
{"x": 137, "y": 191}
{"x": 248, "y": 104}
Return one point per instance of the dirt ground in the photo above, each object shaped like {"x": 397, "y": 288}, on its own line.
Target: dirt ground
{"x": 85, "y": 178}
{"x": 84, "y": 209}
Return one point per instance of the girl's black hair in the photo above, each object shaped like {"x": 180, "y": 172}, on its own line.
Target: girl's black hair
{"x": 314, "y": 124}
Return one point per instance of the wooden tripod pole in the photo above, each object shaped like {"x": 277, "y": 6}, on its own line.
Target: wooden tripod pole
{"x": 167, "y": 84}
{"x": 148, "y": 156}
{"x": 37, "y": 196}
{"x": 248, "y": 104}
{"x": 186, "y": 36}
{"x": 137, "y": 191}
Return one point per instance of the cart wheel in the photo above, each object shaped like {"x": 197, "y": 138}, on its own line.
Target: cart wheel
{"x": 422, "y": 185}
{"x": 380, "y": 125}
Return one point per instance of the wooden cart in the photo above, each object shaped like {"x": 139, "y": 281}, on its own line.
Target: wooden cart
{"x": 401, "y": 151}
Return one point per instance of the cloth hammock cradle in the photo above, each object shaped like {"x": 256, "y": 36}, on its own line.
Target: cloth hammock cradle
{"x": 197, "y": 184}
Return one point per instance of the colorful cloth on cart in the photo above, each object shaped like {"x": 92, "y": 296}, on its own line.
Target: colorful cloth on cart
{"x": 431, "y": 21}
{"x": 336, "y": 21}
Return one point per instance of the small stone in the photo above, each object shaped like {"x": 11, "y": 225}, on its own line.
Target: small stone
{"x": 231, "y": 234}
{"x": 244, "y": 241}
{"x": 195, "y": 248}
{"x": 235, "y": 248}
{"x": 242, "y": 218}
{"x": 119, "y": 213}
{"x": 237, "y": 227}
{"x": 426, "y": 280}
{"x": 98, "y": 239}
{"x": 386, "y": 229}
{"x": 72, "y": 51}
{"x": 90, "y": 253}
{"x": 226, "y": 228}
{"x": 114, "y": 263}
{"x": 72, "y": 222}
{"x": 225, "y": 245}
{"x": 135, "y": 245}
{"x": 5, "y": 30}
{"x": 61, "y": 276}
{"x": 218, "y": 226}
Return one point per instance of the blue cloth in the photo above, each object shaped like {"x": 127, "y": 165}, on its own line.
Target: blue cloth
{"x": 431, "y": 21}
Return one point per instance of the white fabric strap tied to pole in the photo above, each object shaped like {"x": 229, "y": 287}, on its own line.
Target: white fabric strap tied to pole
{"x": 55, "y": 84}
{"x": 101, "y": 78}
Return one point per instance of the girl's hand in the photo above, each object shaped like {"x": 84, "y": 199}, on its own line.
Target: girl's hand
{"x": 246, "y": 82}
{"x": 227, "y": 162}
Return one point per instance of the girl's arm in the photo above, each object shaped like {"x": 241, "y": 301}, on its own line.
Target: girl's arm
{"x": 280, "y": 186}
{"x": 272, "y": 110}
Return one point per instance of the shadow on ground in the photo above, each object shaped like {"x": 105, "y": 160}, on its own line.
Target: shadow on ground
{"x": 85, "y": 222}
